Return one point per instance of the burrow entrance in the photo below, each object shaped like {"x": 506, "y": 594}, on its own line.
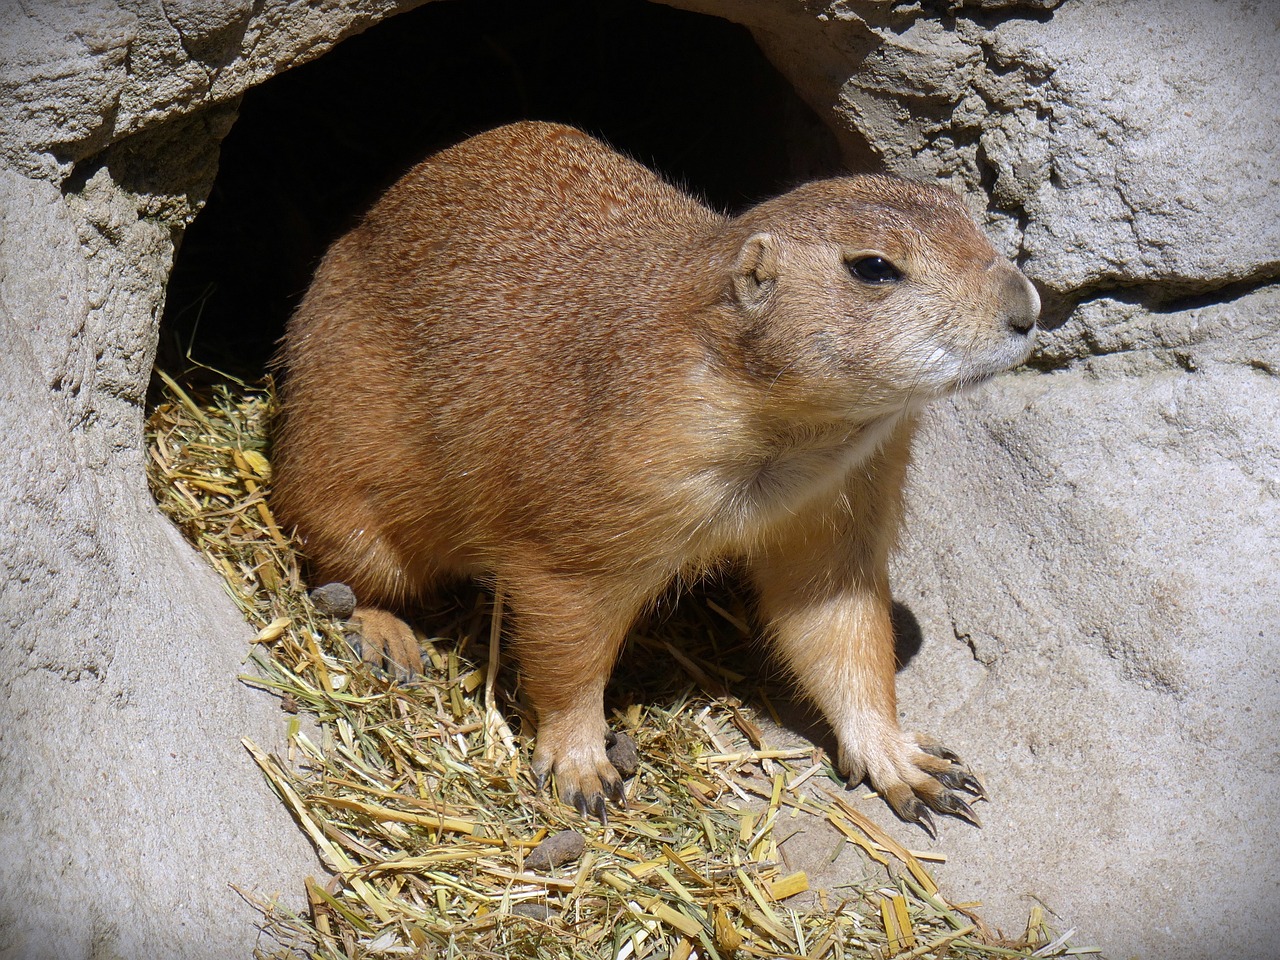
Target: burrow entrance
{"x": 690, "y": 95}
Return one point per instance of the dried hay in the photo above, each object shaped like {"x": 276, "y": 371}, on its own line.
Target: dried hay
{"x": 419, "y": 801}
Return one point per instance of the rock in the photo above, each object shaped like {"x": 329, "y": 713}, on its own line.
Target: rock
{"x": 534, "y": 911}
{"x": 622, "y": 753}
{"x": 1136, "y": 192}
{"x": 78, "y": 75}
{"x": 1092, "y": 548}
{"x": 1090, "y": 150}
{"x": 120, "y": 714}
{"x": 1102, "y": 626}
{"x": 555, "y": 851}
{"x": 62, "y": 73}
{"x": 1093, "y": 543}
{"x": 207, "y": 25}
{"x": 132, "y": 810}
{"x": 335, "y": 600}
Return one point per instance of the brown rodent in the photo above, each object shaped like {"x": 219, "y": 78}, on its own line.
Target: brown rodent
{"x": 536, "y": 362}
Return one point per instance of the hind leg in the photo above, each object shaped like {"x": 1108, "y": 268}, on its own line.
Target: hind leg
{"x": 351, "y": 550}
{"x": 388, "y": 642}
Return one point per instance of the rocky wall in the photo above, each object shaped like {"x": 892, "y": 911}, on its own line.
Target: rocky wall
{"x": 1093, "y": 544}
{"x": 129, "y": 812}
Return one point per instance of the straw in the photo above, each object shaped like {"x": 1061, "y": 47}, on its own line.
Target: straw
{"x": 418, "y": 797}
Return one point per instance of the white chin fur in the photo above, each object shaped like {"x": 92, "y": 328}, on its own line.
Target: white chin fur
{"x": 944, "y": 368}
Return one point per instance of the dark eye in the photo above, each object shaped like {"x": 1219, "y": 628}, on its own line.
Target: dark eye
{"x": 875, "y": 270}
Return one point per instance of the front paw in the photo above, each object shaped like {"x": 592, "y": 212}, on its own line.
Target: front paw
{"x": 914, "y": 775}
{"x": 584, "y": 775}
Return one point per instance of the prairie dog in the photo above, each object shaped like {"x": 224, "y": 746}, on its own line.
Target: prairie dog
{"x": 537, "y": 362}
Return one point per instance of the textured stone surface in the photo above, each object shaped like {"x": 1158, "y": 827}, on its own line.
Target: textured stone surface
{"x": 129, "y": 808}
{"x": 1092, "y": 554}
{"x": 1094, "y": 543}
{"x": 1092, "y": 550}
{"x": 1103, "y": 627}
{"x": 79, "y": 74}
{"x": 1154, "y": 162}
{"x": 1129, "y": 154}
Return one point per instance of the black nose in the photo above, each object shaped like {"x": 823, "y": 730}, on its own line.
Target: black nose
{"x": 1023, "y": 322}
{"x": 1021, "y": 303}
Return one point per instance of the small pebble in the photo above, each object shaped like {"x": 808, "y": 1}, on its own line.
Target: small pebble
{"x": 557, "y": 849}
{"x": 534, "y": 911}
{"x": 334, "y": 600}
{"x": 622, "y": 753}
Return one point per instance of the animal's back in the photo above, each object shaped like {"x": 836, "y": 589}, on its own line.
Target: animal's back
{"x": 460, "y": 343}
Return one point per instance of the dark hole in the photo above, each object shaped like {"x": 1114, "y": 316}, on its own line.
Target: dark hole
{"x": 690, "y": 95}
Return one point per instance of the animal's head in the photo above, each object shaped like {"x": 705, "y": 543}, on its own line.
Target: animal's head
{"x": 874, "y": 293}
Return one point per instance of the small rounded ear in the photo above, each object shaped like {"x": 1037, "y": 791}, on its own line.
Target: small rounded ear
{"x": 755, "y": 269}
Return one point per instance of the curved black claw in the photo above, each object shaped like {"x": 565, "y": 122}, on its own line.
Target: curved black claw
{"x": 947, "y": 802}
{"x": 589, "y": 806}
{"x": 539, "y": 782}
{"x": 965, "y": 781}
{"x": 914, "y": 811}
{"x": 941, "y": 752}
{"x": 961, "y": 780}
{"x": 617, "y": 793}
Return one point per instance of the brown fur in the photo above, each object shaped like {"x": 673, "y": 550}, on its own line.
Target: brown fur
{"x": 536, "y": 361}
